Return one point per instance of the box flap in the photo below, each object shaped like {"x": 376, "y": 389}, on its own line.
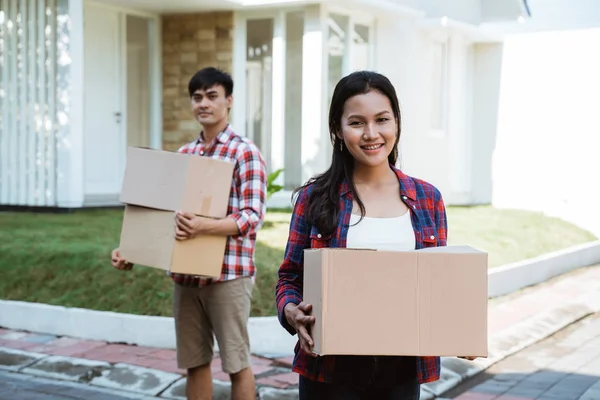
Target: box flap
{"x": 208, "y": 186}
{"x": 147, "y": 237}
{"x": 453, "y": 249}
{"x": 205, "y": 252}
{"x": 173, "y": 181}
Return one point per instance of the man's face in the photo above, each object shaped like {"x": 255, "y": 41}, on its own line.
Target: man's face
{"x": 210, "y": 106}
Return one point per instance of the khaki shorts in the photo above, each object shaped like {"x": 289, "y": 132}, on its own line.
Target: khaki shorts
{"x": 221, "y": 309}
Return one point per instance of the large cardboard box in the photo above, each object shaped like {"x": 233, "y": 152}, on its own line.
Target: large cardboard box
{"x": 429, "y": 302}
{"x": 156, "y": 185}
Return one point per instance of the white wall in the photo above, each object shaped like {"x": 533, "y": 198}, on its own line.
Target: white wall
{"x": 461, "y": 10}
{"x": 552, "y": 15}
{"x": 486, "y": 95}
{"x": 440, "y": 157}
{"x": 548, "y": 129}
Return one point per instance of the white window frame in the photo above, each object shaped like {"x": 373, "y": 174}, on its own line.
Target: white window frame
{"x": 355, "y": 17}
{"x": 155, "y": 49}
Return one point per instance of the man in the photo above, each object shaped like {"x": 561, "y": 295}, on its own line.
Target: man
{"x": 221, "y": 306}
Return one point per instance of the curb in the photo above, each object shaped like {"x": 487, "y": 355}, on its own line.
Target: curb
{"x": 515, "y": 276}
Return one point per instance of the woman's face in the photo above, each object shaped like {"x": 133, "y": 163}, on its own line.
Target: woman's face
{"x": 369, "y": 128}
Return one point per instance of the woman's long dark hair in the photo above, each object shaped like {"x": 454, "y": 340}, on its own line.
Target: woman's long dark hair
{"x": 323, "y": 202}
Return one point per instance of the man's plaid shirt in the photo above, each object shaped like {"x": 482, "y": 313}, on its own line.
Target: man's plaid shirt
{"x": 247, "y": 202}
{"x": 429, "y": 223}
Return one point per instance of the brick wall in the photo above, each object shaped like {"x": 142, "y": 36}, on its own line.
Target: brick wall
{"x": 190, "y": 42}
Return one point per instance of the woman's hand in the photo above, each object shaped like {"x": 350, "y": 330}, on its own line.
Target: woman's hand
{"x": 297, "y": 316}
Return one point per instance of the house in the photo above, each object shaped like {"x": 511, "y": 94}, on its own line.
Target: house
{"x": 81, "y": 80}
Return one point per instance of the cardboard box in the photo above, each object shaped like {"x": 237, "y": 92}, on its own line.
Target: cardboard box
{"x": 156, "y": 185}
{"x": 429, "y": 302}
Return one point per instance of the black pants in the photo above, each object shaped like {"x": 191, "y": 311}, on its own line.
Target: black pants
{"x": 366, "y": 378}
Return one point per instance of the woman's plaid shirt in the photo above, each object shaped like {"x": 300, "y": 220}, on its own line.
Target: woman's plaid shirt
{"x": 247, "y": 202}
{"x": 430, "y": 227}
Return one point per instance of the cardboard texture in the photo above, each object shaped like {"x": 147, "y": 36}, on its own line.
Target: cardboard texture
{"x": 171, "y": 181}
{"x": 158, "y": 183}
{"x": 428, "y": 302}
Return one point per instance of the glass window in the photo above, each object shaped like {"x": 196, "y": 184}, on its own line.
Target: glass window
{"x": 259, "y": 81}
{"x": 336, "y": 49}
{"x": 360, "y": 50}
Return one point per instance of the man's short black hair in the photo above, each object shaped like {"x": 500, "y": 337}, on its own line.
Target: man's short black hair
{"x": 209, "y": 77}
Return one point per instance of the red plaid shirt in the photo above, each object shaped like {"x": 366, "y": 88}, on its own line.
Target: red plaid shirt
{"x": 247, "y": 202}
{"x": 429, "y": 223}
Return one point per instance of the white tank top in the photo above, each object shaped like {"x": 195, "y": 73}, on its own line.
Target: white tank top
{"x": 392, "y": 234}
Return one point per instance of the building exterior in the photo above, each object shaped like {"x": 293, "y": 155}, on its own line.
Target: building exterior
{"x": 81, "y": 80}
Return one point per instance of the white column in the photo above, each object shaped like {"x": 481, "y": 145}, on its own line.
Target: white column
{"x": 69, "y": 163}
{"x": 238, "y": 113}
{"x": 156, "y": 117}
{"x": 278, "y": 97}
{"x": 313, "y": 153}
{"x": 459, "y": 128}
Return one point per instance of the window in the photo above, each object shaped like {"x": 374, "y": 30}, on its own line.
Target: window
{"x": 348, "y": 48}
{"x": 337, "y": 51}
{"x": 361, "y": 49}
{"x": 259, "y": 81}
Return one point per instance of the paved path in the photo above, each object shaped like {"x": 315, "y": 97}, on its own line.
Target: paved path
{"x": 566, "y": 366}
{"x": 23, "y": 387}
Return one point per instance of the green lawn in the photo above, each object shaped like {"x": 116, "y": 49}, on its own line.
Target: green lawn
{"x": 63, "y": 259}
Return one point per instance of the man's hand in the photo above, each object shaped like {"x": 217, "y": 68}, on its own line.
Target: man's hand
{"x": 297, "y": 316}
{"x": 468, "y": 358}
{"x": 118, "y": 262}
{"x": 188, "y": 225}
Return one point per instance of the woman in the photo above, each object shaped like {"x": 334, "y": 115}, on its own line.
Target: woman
{"x": 361, "y": 201}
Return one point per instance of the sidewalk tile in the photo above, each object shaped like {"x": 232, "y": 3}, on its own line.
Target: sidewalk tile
{"x": 285, "y": 361}
{"x": 261, "y": 369}
{"x": 221, "y": 376}
{"x": 280, "y": 381}
{"x": 66, "y": 346}
{"x": 166, "y": 365}
{"x": 40, "y": 339}
{"x": 11, "y": 359}
{"x": 216, "y": 365}
{"x": 17, "y": 344}
{"x": 117, "y": 353}
{"x": 255, "y": 360}
{"x": 164, "y": 354}
{"x": 476, "y": 396}
{"x": 15, "y": 335}
{"x": 135, "y": 379}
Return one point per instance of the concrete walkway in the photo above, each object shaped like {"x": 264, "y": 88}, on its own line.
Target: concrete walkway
{"x": 515, "y": 322}
{"x": 565, "y": 366}
{"x": 14, "y": 386}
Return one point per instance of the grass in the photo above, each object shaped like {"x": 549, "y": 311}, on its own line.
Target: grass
{"x": 63, "y": 259}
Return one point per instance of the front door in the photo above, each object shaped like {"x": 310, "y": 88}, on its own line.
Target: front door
{"x": 104, "y": 135}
